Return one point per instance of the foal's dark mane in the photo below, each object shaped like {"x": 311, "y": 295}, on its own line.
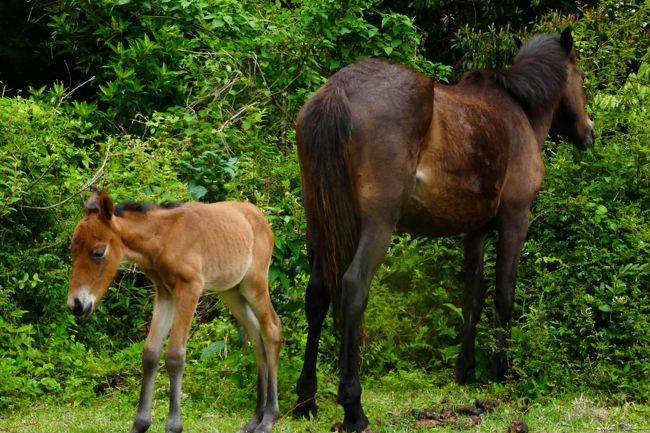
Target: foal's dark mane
{"x": 142, "y": 207}
{"x": 538, "y": 73}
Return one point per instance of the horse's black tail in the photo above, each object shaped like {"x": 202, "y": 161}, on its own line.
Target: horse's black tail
{"x": 323, "y": 132}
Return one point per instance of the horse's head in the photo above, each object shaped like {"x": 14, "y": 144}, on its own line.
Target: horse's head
{"x": 570, "y": 118}
{"x": 96, "y": 255}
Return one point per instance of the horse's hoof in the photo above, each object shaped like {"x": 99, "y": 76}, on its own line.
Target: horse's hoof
{"x": 338, "y": 427}
{"x": 306, "y": 409}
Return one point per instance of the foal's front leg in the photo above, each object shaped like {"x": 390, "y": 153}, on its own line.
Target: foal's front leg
{"x": 160, "y": 323}
{"x": 185, "y": 298}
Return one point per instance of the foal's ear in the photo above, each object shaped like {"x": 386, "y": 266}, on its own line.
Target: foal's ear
{"x": 566, "y": 40}
{"x": 100, "y": 203}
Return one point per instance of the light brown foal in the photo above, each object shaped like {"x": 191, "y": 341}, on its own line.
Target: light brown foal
{"x": 184, "y": 249}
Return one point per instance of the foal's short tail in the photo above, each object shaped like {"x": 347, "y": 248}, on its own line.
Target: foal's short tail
{"x": 323, "y": 132}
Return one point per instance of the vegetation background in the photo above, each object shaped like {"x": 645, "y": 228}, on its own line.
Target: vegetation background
{"x": 196, "y": 99}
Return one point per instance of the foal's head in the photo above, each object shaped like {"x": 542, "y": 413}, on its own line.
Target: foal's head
{"x": 96, "y": 255}
{"x": 570, "y": 118}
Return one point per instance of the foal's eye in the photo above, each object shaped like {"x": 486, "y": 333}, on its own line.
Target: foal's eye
{"x": 98, "y": 253}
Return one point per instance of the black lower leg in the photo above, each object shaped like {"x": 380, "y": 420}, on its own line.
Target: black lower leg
{"x": 317, "y": 302}
{"x": 473, "y": 301}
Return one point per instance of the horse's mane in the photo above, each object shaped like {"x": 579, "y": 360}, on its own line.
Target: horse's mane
{"x": 142, "y": 207}
{"x": 538, "y": 73}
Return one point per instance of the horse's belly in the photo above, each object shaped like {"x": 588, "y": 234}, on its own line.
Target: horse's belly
{"x": 447, "y": 208}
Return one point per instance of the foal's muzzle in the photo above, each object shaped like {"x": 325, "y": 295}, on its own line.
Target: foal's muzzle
{"x": 82, "y": 305}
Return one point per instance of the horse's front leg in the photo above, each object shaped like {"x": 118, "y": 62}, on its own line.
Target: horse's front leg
{"x": 512, "y": 234}
{"x": 160, "y": 324}
{"x": 317, "y": 302}
{"x": 372, "y": 248}
{"x": 473, "y": 300}
{"x": 185, "y": 299}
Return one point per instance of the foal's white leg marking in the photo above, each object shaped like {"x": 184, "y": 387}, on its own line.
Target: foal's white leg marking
{"x": 163, "y": 313}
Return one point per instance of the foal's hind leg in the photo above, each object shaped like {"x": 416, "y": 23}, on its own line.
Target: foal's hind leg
{"x": 317, "y": 302}
{"x": 473, "y": 300}
{"x": 267, "y": 374}
{"x": 254, "y": 288}
{"x": 239, "y": 308}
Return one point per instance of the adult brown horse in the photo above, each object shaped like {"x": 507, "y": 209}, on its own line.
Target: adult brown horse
{"x": 381, "y": 146}
{"x": 185, "y": 249}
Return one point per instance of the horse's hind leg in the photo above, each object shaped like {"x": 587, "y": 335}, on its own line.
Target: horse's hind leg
{"x": 317, "y": 302}
{"x": 160, "y": 323}
{"x": 512, "y": 233}
{"x": 373, "y": 244}
{"x": 473, "y": 301}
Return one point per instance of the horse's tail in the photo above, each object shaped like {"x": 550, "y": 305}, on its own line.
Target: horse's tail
{"x": 323, "y": 134}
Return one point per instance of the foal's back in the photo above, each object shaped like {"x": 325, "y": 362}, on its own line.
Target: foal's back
{"x": 221, "y": 241}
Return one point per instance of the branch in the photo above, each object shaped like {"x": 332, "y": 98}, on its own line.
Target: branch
{"x": 99, "y": 173}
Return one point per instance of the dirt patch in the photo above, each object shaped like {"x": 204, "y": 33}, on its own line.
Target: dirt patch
{"x": 459, "y": 416}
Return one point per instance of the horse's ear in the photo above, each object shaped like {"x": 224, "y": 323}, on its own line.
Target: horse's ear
{"x": 518, "y": 42}
{"x": 566, "y": 40}
{"x": 101, "y": 204}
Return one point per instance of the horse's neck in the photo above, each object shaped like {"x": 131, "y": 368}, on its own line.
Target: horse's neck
{"x": 141, "y": 236}
{"x": 541, "y": 124}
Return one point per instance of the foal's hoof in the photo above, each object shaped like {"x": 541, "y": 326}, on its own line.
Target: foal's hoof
{"x": 305, "y": 409}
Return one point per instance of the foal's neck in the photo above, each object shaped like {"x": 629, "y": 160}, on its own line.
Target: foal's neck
{"x": 142, "y": 235}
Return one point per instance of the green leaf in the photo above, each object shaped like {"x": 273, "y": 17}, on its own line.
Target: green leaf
{"x": 217, "y": 346}
{"x": 198, "y": 191}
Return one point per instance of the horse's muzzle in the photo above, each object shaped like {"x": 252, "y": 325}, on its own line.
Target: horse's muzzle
{"x": 590, "y": 136}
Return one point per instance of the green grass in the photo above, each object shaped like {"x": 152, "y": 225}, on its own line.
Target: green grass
{"x": 388, "y": 402}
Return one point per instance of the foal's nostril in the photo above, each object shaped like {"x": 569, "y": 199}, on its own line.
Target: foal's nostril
{"x": 78, "y": 308}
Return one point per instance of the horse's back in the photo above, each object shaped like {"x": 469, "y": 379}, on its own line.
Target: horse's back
{"x": 479, "y": 138}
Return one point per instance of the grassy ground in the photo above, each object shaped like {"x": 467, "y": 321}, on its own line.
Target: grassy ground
{"x": 389, "y": 402}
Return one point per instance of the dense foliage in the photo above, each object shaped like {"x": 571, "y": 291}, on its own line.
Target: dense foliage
{"x": 196, "y": 99}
